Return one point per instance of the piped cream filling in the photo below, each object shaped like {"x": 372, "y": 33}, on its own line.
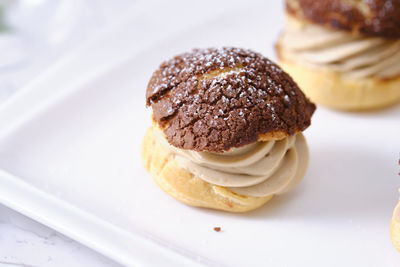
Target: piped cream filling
{"x": 353, "y": 55}
{"x": 396, "y": 212}
{"x": 259, "y": 169}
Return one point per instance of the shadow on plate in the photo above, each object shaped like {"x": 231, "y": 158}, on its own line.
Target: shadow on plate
{"x": 341, "y": 183}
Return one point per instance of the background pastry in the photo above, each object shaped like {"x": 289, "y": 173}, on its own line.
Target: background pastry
{"x": 226, "y": 130}
{"x": 395, "y": 227}
{"x": 343, "y": 54}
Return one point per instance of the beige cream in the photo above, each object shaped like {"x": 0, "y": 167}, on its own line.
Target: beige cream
{"x": 258, "y": 170}
{"x": 352, "y": 55}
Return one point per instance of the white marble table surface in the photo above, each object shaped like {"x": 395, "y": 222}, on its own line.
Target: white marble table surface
{"x": 24, "y": 242}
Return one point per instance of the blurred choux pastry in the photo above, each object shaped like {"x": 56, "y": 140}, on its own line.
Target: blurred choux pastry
{"x": 343, "y": 54}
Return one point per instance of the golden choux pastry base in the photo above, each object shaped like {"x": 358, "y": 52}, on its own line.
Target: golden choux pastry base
{"x": 395, "y": 228}
{"x": 336, "y": 91}
{"x": 186, "y": 187}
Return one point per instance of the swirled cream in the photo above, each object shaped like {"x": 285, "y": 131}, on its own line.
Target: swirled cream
{"x": 396, "y": 212}
{"x": 259, "y": 169}
{"x": 340, "y": 51}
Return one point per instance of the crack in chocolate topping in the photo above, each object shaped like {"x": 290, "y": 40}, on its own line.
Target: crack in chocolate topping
{"x": 380, "y": 18}
{"x": 215, "y": 99}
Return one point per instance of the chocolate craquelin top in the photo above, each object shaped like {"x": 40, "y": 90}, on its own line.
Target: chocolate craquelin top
{"x": 379, "y": 18}
{"x": 216, "y": 99}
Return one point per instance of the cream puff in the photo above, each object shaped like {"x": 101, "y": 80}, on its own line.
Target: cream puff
{"x": 343, "y": 54}
{"x": 395, "y": 227}
{"x": 226, "y": 129}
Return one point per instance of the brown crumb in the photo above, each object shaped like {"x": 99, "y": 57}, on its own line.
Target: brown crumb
{"x": 217, "y": 229}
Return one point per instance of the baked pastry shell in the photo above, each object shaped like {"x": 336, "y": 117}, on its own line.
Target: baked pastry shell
{"x": 395, "y": 229}
{"x": 336, "y": 90}
{"x": 186, "y": 187}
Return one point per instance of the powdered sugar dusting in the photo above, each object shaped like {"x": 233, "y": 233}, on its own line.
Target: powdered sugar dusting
{"x": 213, "y": 99}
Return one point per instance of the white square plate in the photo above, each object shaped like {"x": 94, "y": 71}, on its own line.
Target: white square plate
{"x": 75, "y": 165}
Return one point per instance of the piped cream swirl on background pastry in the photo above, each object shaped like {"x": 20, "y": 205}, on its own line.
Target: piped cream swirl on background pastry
{"x": 258, "y": 169}
{"x": 354, "y": 55}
